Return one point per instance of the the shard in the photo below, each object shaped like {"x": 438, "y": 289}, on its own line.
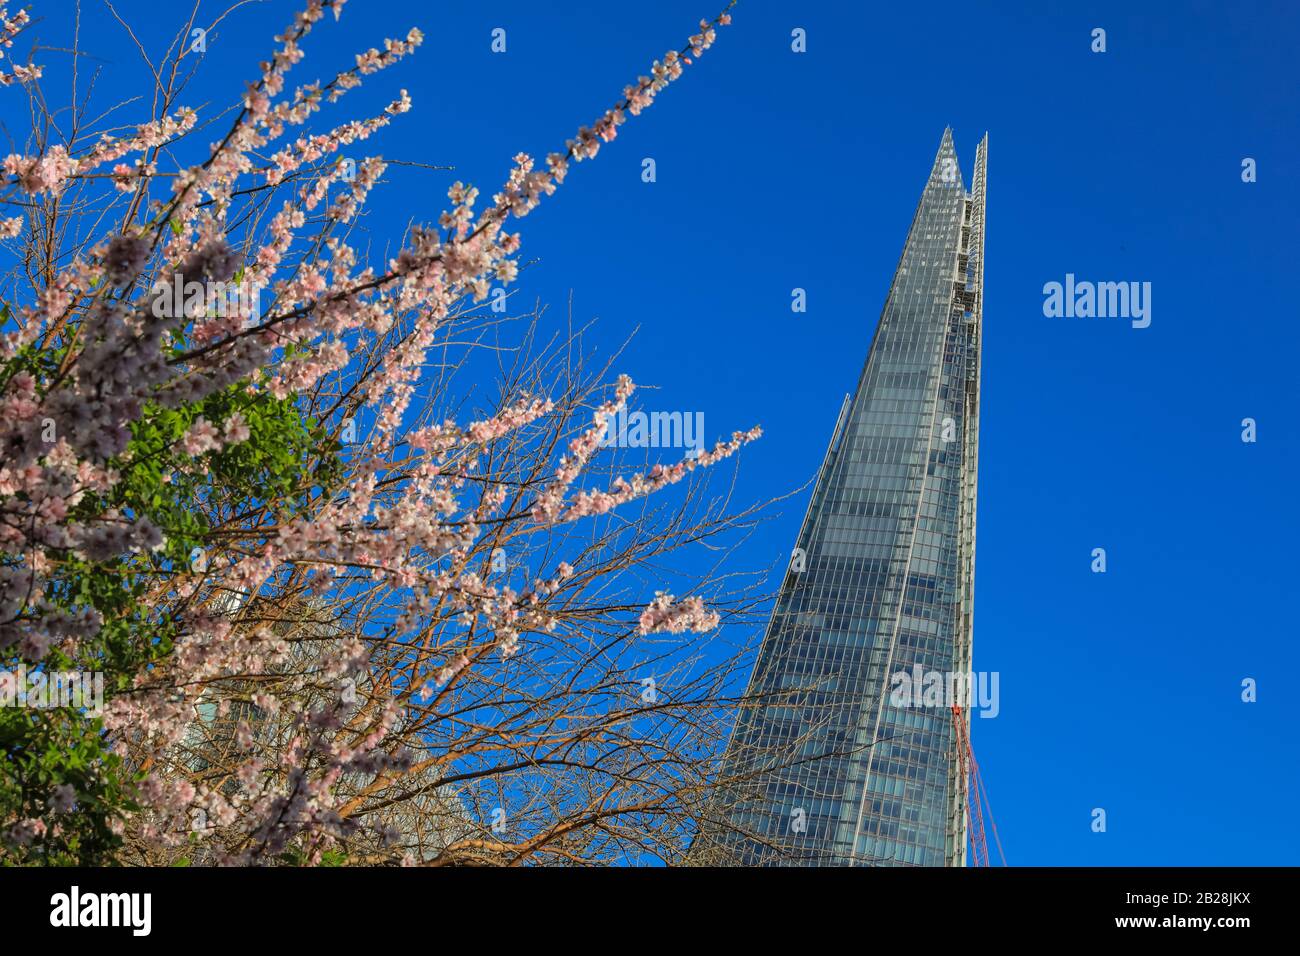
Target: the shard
{"x": 835, "y": 770}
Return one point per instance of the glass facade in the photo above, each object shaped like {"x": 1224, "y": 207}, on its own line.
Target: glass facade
{"x": 881, "y": 582}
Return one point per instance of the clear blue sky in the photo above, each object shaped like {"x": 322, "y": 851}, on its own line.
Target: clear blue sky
{"x": 777, "y": 170}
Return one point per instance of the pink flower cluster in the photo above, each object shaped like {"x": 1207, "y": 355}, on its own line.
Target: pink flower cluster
{"x": 586, "y": 503}
{"x": 550, "y": 503}
{"x": 688, "y": 614}
{"x": 10, "y": 27}
{"x": 49, "y": 172}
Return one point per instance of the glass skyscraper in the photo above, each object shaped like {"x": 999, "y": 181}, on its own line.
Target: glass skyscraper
{"x": 881, "y": 582}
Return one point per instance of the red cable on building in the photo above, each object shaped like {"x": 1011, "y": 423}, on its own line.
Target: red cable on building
{"x": 977, "y": 797}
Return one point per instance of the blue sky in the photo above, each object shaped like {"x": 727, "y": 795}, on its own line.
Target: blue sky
{"x": 778, "y": 170}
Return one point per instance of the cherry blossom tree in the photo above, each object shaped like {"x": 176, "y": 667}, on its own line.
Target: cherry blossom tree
{"x": 345, "y": 610}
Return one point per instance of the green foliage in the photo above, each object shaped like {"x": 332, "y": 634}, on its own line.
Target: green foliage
{"x": 254, "y": 484}
{"x": 43, "y": 749}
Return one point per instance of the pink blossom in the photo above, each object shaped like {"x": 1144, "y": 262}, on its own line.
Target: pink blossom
{"x": 200, "y": 437}
{"x": 25, "y": 831}
{"x": 235, "y": 430}
{"x": 689, "y": 614}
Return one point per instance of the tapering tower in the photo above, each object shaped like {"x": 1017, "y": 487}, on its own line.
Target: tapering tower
{"x": 839, "y": 769}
